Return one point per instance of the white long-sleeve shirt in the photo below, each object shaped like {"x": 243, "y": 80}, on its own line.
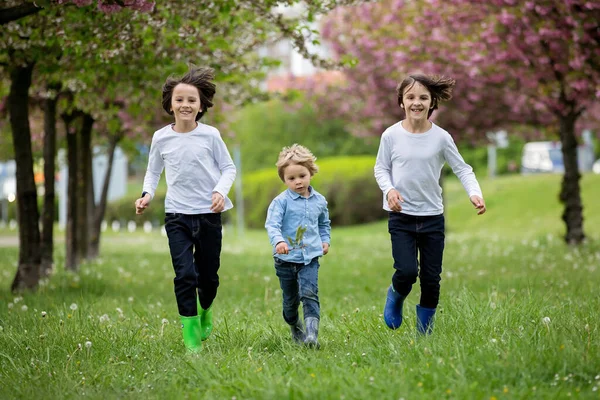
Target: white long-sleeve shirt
{"x": 412, "y": 163}
{"x": 196, "y": 164}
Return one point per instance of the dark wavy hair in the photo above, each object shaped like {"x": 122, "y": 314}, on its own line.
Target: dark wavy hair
{"x": 440, "y": 88}
{"x": 200, "y": 78}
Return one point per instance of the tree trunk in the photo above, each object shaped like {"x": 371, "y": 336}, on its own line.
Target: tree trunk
{"x": 28, "y": 270}
{"x": 570, "y": 194}
{"x": 48, "y": 213}
{"x": 72, "y": 256}
{"x": 83, "y": 182}
{"x": 101, "y": 206}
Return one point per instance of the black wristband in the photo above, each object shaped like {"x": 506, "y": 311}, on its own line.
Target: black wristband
{"x": 144, "y": 193}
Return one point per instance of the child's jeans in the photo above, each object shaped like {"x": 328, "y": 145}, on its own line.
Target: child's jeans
{"x": 424, "y": 234}
{"x": 299, "y": 283}
{"x": 195, "y": 244}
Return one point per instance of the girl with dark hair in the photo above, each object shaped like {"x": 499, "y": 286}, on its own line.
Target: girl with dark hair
{"x": 411, "y": 155}
{"x": 199, "y": 173}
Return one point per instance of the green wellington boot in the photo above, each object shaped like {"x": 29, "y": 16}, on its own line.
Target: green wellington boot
{"x": 191, "y": 329}
{"x": 206, "y": 321}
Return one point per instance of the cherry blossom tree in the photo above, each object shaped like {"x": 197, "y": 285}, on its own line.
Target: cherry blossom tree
{"x": 516, "y": 63}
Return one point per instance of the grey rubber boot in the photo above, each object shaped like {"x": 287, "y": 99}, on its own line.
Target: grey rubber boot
{"x": 297, "y": 331}
{"x": 312, "y": 332}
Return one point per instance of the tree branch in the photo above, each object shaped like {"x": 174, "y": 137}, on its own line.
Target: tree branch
{"x": 14, "y": 13}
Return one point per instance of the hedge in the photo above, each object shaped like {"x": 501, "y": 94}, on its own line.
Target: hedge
{"x": 347, "y": 183}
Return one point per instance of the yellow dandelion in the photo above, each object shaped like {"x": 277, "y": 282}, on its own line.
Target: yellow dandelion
{"x": 448, "y": 391}
{"x": 562, "y": 346}
{"x": 493, "y": 398}
{"x": 505, "y": 389}
{"x": 313, "y": 375}
{"x": 69, "y": 315}
{"x": 420, "y": 384}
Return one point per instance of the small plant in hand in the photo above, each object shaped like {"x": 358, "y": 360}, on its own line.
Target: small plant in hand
{"x": 296, "y": 244}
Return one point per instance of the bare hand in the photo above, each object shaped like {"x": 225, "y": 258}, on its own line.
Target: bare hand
{"x": 325, "y": 248}
{"x": 282, "y": 248}
{"x": 218, "y": 202}
{"x": 395, "y": 200}
{"x": 479, "y": 204}
{"x": 142, "y": 203}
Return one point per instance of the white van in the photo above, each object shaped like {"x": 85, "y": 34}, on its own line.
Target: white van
{"x": 542, "y": 157}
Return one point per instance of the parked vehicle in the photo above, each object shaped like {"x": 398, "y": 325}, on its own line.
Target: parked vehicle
{"x": 542, "y": 157}
{"x": 596, "y": 167}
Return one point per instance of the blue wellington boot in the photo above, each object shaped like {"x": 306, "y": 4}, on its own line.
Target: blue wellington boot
{"x": 425, "y": 320}
{"x": 392, "y": 312}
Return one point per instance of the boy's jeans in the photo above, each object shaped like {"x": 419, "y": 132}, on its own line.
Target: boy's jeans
{"x": 423, "y": 234}
{"x": 195, "y": 245}
{"x": 299, "y": 283}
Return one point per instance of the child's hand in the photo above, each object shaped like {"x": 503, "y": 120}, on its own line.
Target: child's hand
{"x": 479, "y": 204}
{"x": 141, "y": 204}
{"x": 218, "y": 202}
{"x": 325, "y": 248}
{"x": 394, "y": 200}
{"x": 282, "y": 248}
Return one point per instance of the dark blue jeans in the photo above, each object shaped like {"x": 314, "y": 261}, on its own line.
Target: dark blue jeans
{"x": 299, "y": 283}
{"x": 423, "y": 234}
{"x": 195, "y": 245}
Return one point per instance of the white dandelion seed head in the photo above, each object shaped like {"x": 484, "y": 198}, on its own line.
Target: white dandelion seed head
{"x": 546, "y": 320}
{"x": 130, "y": 299}
{"x": 119, "y": 310}
{"x": 104, "y": 318}
{"x": 44, "y": 313}
{"x": 79, "y": 346}
{"x": 165, "y": 321}
{"x": 88, "y": 344}
{"x": 10, "y": 305}
{"x": 24, "y": 307}
{"x": 73, "y": 306}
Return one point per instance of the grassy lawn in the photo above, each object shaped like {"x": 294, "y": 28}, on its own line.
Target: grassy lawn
{"x": 518, "y": 316}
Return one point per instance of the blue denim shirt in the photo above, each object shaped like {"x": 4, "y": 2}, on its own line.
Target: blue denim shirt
{"x": 287, "y": 212}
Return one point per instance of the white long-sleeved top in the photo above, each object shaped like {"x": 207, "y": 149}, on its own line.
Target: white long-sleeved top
{"x": 412, "y": 163}
{"x": 196, "y": 164}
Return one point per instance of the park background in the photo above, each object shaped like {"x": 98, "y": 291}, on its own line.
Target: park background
{"x": 87, "y": 309}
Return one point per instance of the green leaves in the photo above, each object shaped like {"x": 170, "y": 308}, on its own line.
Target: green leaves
{"x": 297, "y": 242}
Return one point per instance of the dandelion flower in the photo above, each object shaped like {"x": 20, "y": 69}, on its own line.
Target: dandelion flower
{"x": 73, "y": 306}
{"x": 10, "y": 305}
{"x": 88, "y": 344}
{"x": 24, "y": 307}
{"x": 44, "y": 313}
{"x": 546, "y": 320}
{"x": 165, "y": 321}
{"x": 130, "y": 299}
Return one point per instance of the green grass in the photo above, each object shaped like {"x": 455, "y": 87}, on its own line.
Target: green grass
{"x": 504, "y": 272}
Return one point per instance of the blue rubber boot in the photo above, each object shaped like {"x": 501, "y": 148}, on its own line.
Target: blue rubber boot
{"x": 392, "y": 312}
{"x": 425, "y": 320}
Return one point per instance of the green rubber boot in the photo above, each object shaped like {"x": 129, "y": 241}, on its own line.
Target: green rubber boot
{"x": 206, "y": 321}
{"x": 191, "y": 329}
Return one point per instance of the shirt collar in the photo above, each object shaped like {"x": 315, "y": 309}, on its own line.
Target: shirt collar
{"x": 295, "y": 195}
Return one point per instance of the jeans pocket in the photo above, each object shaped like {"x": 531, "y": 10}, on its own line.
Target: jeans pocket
{"x": 172, "y": 217}
{"x": 213, "y": 220}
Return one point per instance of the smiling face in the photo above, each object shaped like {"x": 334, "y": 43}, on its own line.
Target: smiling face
{"x": 185, "y": 103}
{"x": 416, "y": 101}
{"x": 297, "y": 178}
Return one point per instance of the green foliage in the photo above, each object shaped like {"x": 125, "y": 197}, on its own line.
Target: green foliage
{"x": 347, "y": 183}
{"x": 297, "y": 242}
{"x": 263, "y": 129}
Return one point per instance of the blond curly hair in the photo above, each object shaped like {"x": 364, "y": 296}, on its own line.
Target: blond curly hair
{"x": 296, "y": 154}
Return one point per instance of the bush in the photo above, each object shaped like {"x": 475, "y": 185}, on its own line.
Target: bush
{"x": 263, "y": 129}
{"x": 348, "y": 184}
